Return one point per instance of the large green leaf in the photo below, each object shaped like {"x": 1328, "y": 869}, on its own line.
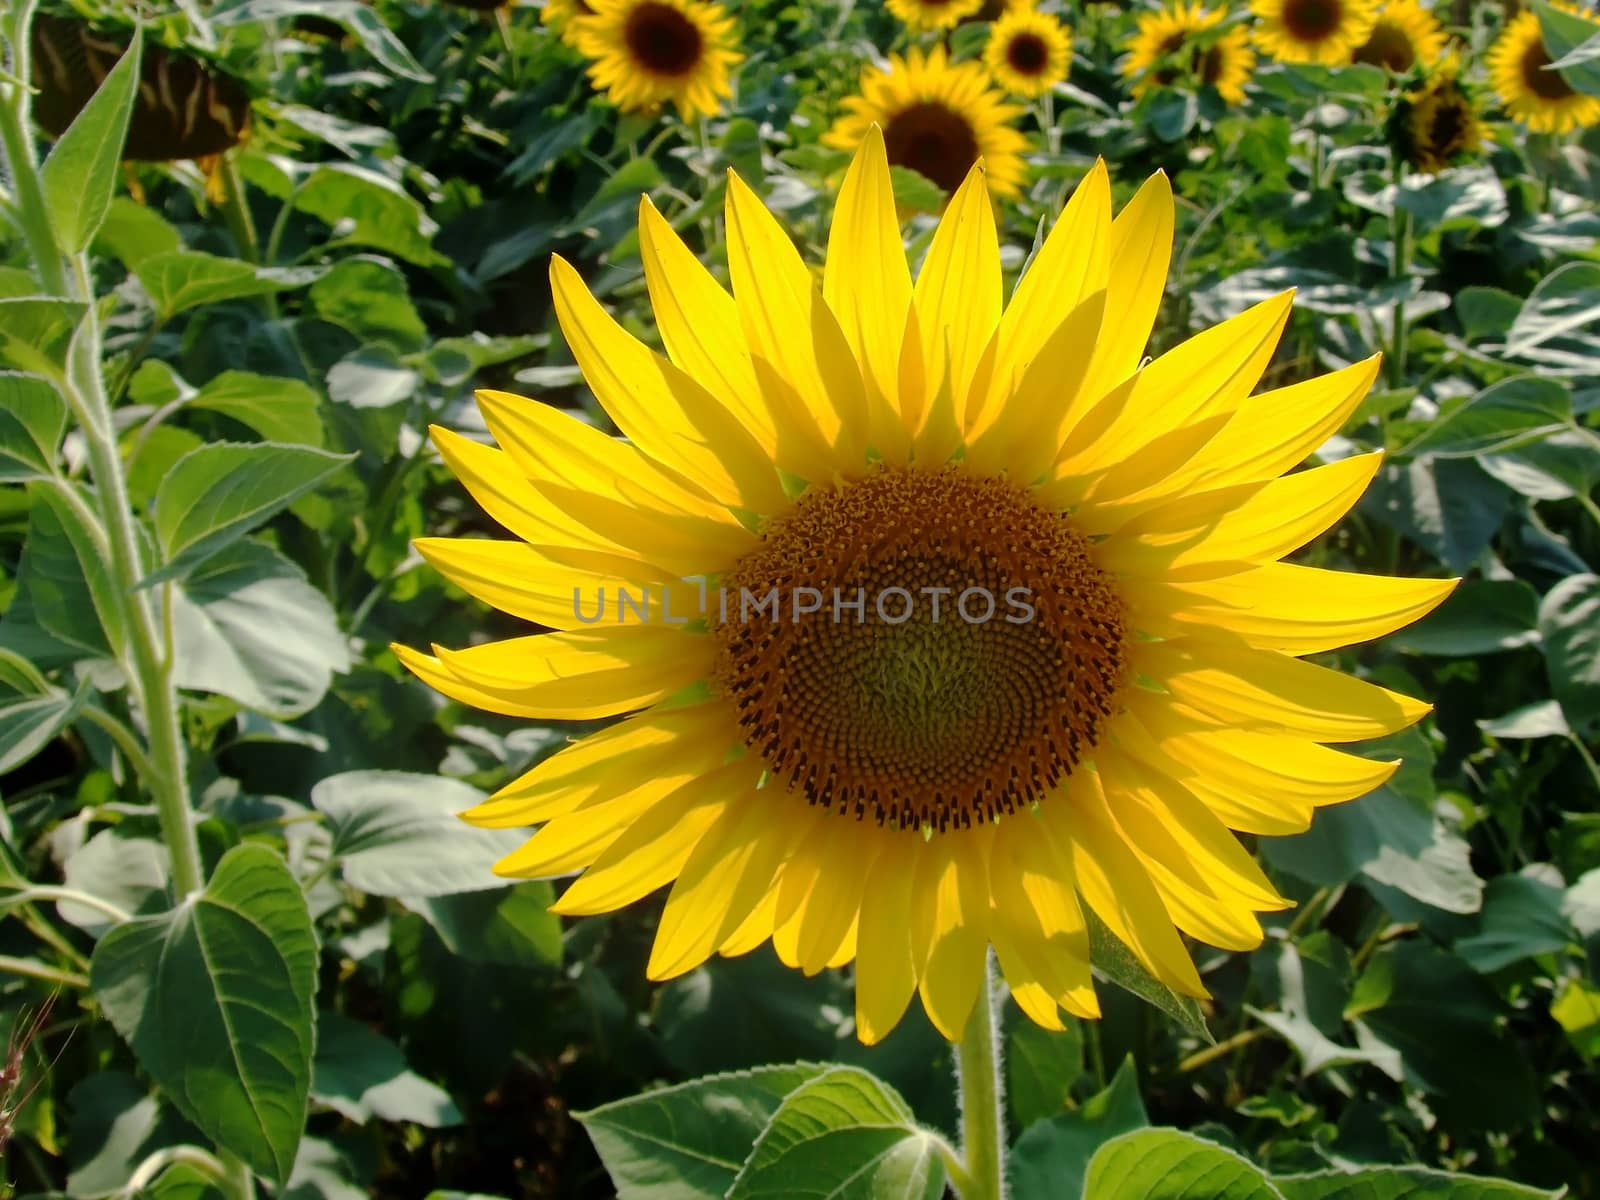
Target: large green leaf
{"x": 1402, "y": 1183}
{"x": 1503, "y": 415}
{"x": 369, "y": 298}
{"x": 34, "y": 331}
{"x": 33, "y": 416}
{"x": 1041, "y": 1067}
{"x": 844, "y": 1135}
{"x": 1558, "y": 322}
{"x": 512, "y": 926}
{"x": 1052, "y": 1157}
{"x": 219, "y": 492}
{"x": 1482, "y": 616}
{"x": 363, "y": 1075}
{"x": 1167, "y": 1164}
{"x": 279, "y": 409}
{"x": 29, "y": 723}
{"x": 80, "y": 175}
{"x": 1521, "y": 917}
{"x": 215, "y": 997}
{"x": 688, "y": 1142}
{"x": 1569, "y": 622}
{"x": 397, "y": 834}
{"x": 64, "y": 576}
{"x": 247, "y": 625}
{"x": 369, "y": 209}
{"x": 183, "y": 279}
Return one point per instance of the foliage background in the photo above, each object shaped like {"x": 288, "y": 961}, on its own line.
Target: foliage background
{"x": 380, "y": 251}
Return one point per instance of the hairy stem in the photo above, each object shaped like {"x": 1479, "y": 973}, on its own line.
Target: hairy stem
{"x": 978, "y": 1067}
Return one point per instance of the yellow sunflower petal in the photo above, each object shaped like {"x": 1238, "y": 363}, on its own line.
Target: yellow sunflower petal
{"x": 820, "y": 896}
{"x": 1299, "y": 610}
{"x": 754, "y": 929}
{"x": 723, "y": 881}
{"x": 586, "y": 673}
{"x": 957, "y": 294}
{"x": 1117, "y": 887}
{"x": 867, "y": 284}
{"x": 952, "y": 905}
{"x": 886, "y": 975}
{"x": 572, "y": 842}
{"x": 796, "y": 344}
{"x": 666, "y": 743}
{"x": 658, "y": 407}
{"x": 1269, "y": 692}
{"x": 1141, "y": 251}
{"x": 1036, "y": 913}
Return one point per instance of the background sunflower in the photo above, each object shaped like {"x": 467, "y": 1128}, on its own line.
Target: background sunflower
{"x": 1404, "y": 35}
{"x": 1028, "y": 52}
{"x": 1541, "y": 99}
{"x": 646, "y": 52}
{"x": 1312, "y": 31}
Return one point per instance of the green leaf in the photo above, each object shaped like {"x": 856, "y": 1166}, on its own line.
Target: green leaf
{"x": 365, "y": 208}
{"x": 80, "y": 175}
{"x": 181, "y": 1181}
{"x": 369, "y": 298}
{"x": 1486, "y": 311}
{"x": 1041, "y": 1067}
{"x": 1445, "y": 1024}
{"x": 183, "y": 279}
{"x": 688, "y": 1142}
{"x": 362, "y": 1075}
{"x": 1557, "y": 326}
{"x": 1569, "y": 622}
{"x": 356, "y": 17}
{"x": 278, "y": 408}
{"x": 1402, "y": 1183}
{"x": 219, "y": 492}
{"x": 1500, "y": 417}
{"x": 29, "y": 724}
{"x": 132, "y": 232}
{"x": 371, "y": 378}
{"x": 1052, "y": 1157}
{"x": 63, "y": 573}
{"x": 844, "y": 1135}
{"x": 1573, "y": 44}
{"x": 215, "y": 999}
{"x": 33, "y": 416}
{"x": 1482, "y": 616}
{"x": 129, "y": 871}
{"x": 397, "y": 834}
{"x": 511, "y": 926}
{"x": 1168, "y": 1164}
{"x": 1114, "y": 961}
{"x": 34, "y": 331}
{"x": 1521, "y": 917}
{"x": 1541, "y": 719}
{"x": 248, "y": 625}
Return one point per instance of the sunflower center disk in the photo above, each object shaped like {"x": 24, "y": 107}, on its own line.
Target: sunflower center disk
{"x": 662, "y": 39}
{"x": 1388, "y": 46}
{"x": 922, "y": 646}
{"x": 1311, "y": 20}
{"x": 1027, "y": 54}
{"x": 933, "y": 141}
{"x": 1547, "y": 84}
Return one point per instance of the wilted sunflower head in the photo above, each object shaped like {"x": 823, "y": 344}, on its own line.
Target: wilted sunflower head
{"x": 1313, "y": 31}
{"x": 1538, "y": 97}
{"x": 930, "y": 16}
{"x": 646, "y": 52}
{"x": 993, "y": 622}
{"x": 1028, "y": 52}
{"x": 938, "y": 118}
{"x": 1405, "y": 35}
{"x": 1436, "y": 125}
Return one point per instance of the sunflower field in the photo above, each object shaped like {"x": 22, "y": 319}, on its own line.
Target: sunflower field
{"x": 694, "y": 599}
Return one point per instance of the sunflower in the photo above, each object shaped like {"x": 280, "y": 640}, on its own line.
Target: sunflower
{"x": 1406, "y": 34}
{"x": 1174, "y": 41}
{"x": 1436, "y": 124}
{"x": 1541, "y": 99}
{"x": 822, "y": 755}
{"x": 560, "y": 14}
{"x": 930, "y": 16}
{"x": 649, "y": 51}
{"x": 1313, "y": 31}
{"x": 938, "y": 118}
{"x": 1028, "y": 52}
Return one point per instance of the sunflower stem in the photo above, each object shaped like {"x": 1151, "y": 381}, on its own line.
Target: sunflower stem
{"x": 1399, "y": 268}
{"x": 978, "y": 1066}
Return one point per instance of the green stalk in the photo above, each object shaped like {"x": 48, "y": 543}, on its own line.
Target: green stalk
{"x": 1399, "y": 267}
{"x": 978, "y": 1067}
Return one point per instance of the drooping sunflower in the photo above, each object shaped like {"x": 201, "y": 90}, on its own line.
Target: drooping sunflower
{"x": 931, "y": 16}
{"x": 1405, "y": 34}
{"x": 559, "y": 15}
{"x": 1541, "y": 99}
{"x": 1313, "y": 31}
{"x": 1437, "y": 124}
{"x": 1028, "y": 52}
{"x": 646, "y": 52}
{"x": 1174, "y": 41}
{"x": 992, "y": 621}
{"x": 938, "y": 118}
